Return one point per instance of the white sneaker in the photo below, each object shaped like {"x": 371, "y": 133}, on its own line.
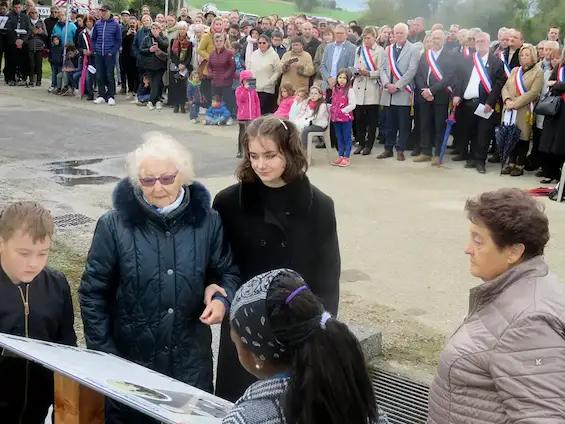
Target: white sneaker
{"x": 150, "y": 106}
{"x": 194, "y": 121}
{"x": 51, "y": 89}
{"x": 99, "y": 100}
{"x": 111, "y": 102}
{"x": 159, "y": 105}
{"x": 135, "y": 101}
{"x": 229, "y": 121}
{"x": 202, "y": 111}
{"x": 77, "y": 93}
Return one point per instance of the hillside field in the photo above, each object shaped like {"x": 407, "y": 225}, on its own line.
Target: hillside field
{"x": 269, "y": 7}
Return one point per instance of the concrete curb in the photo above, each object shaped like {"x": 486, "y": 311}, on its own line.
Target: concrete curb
{"x": 371, "y": 340}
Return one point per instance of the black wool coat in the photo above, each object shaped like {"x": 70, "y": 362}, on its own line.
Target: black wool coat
{"x": 142, "y": 291}
{"x": 302, "y": 237}
{"x": 553, "y": 134}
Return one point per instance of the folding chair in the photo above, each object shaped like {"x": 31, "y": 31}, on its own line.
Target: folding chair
{"x": 326, "y": 136}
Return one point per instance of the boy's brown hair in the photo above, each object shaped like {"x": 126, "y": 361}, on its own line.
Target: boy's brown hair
{"x": 29, "y": 217}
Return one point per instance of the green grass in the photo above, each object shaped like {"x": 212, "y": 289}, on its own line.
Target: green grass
{"x": 70, "y": 263}
{"x": 277, "y": 7}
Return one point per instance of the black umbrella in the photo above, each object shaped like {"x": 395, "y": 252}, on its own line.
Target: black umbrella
{"x": 507, "y": 137}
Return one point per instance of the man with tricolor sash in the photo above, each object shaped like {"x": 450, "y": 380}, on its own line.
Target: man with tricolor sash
{"x": 434, "y": 88}
{"x": 511, "y": 53}
{"x": 397, "y": 79}
{"x": 481, "y": 78}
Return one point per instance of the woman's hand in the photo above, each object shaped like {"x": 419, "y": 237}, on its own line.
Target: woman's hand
{"x": 211, "y": 290}
{"x": 551, "y": 83}
{"x": 214, "y": 313}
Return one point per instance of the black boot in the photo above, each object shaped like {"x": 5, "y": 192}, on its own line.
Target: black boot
{"x": 176, "y": 109}
{"x": 182, "y": 108}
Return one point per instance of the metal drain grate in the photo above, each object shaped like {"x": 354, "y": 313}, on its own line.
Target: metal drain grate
{"x": 71, "y": 220}
{"x": 405, "y": 401}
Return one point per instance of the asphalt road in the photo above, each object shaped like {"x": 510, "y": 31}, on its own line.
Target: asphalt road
{"x": 39, "y": 131}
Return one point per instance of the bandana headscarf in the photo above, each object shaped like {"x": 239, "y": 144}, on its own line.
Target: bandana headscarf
{"x": 250, "y": 319}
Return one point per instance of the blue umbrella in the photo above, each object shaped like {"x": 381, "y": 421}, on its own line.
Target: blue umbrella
{"x": 507, "y": 137}
{"x": 450, "y": 121}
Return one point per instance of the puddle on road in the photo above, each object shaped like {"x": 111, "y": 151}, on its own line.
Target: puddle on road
{"x": 97, "y": 171}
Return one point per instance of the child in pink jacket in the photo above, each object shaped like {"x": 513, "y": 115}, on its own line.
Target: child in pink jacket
{"x": 248, "y": 106}
{"x": 287, "y": 99}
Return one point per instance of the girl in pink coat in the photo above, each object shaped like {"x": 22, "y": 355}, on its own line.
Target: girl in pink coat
{"x": 248, "y": 106}
{"x": 287, "y": 99}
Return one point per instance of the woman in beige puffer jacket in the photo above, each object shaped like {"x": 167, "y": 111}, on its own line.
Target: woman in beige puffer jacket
{"x": 506, "y": 361}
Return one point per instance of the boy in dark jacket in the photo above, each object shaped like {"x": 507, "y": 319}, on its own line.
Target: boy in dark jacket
{"x": 56, "y": 61}
{"x": 194, "y": 96}
{"x": 35, "y": 302}
{"x": 143, "y": 91}
{"x": 71, "y": 65}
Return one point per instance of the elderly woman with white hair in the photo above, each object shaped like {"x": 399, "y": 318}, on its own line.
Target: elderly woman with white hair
{"x": 144, "y": 294}
{"x": 180, "y": 67}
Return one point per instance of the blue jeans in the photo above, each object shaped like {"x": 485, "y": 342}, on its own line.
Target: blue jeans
{"x": 216, "y": 121}
{"x": 76, "y": 81}
{"x": 194, "y": 109}
{"x": 55, "y": 70}
{"x": 105, "y": 76}
{"x": 397, "y": 121}
{"x": 343, "y": 136}
{"x": 143, "y": 98}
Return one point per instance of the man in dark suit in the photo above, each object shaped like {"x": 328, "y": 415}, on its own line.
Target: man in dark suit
{"x": 512, "y": 52}
{"x": 475, "y": 87}
{"x": 433, "y": 92}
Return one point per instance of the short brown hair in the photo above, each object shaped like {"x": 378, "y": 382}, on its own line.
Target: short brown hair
{"x": 30, "y": 217}
{"x": 512, "y": 217}
{"x": 287, "y": 137}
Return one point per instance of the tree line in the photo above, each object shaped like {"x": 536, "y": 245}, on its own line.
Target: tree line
{"x": 532, "y": 17}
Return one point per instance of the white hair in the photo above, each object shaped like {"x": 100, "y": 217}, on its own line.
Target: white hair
{"x": 402, "y": 25}
{"x": 182, "y": 24}
{"x": 161, "y": 146}
{"x": 483, "y": 34}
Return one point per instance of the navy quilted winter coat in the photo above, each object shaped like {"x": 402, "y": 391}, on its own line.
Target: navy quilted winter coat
{"x": 142, "y": 291}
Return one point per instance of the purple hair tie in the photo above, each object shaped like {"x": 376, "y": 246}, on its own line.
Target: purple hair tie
{"x": 295, "y": 293}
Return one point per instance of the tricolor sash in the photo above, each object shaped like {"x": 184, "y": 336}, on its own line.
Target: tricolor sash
{"x": 368, "y": 59}
{"x": 521, "y": 90}
{"x": 434, "y": 67}
{"x": 482, "y": 71}
{"x": 506, "y": 66}
{"x": 394, "y": 67}
{"x": 466, "y": 51}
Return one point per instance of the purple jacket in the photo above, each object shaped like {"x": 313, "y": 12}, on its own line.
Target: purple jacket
{"x": 221, "y": 67}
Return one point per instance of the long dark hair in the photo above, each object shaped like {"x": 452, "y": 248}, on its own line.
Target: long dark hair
{"x": 287, "y": 137}
{"x": 330, "y": 383}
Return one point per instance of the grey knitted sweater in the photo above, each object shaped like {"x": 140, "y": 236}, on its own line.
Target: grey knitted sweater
{"x": 261, "y": 404}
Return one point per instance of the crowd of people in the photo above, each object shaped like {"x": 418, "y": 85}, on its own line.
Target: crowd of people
{"x": 263, "y": 260}
{"x": 401, "y": 80}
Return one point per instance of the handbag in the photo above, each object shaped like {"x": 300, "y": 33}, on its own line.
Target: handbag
{"x": 549, "y": 105}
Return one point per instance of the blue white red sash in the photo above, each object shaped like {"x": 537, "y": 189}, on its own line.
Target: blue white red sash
{"x": 466, "y": 51}
{"x": 505, "y": 62}
{"x": 482, "y": 71}
{"x": 394, "y": 68}
{"x": 434, "y": 67}
{"x": 368, "y": 59}
{"x": 520, "y": 86}
{"x": 561, "y": 73}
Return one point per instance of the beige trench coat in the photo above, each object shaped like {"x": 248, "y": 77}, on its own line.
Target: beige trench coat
{"x": 367, "y": 91}
{"x": 533, "y": 81}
